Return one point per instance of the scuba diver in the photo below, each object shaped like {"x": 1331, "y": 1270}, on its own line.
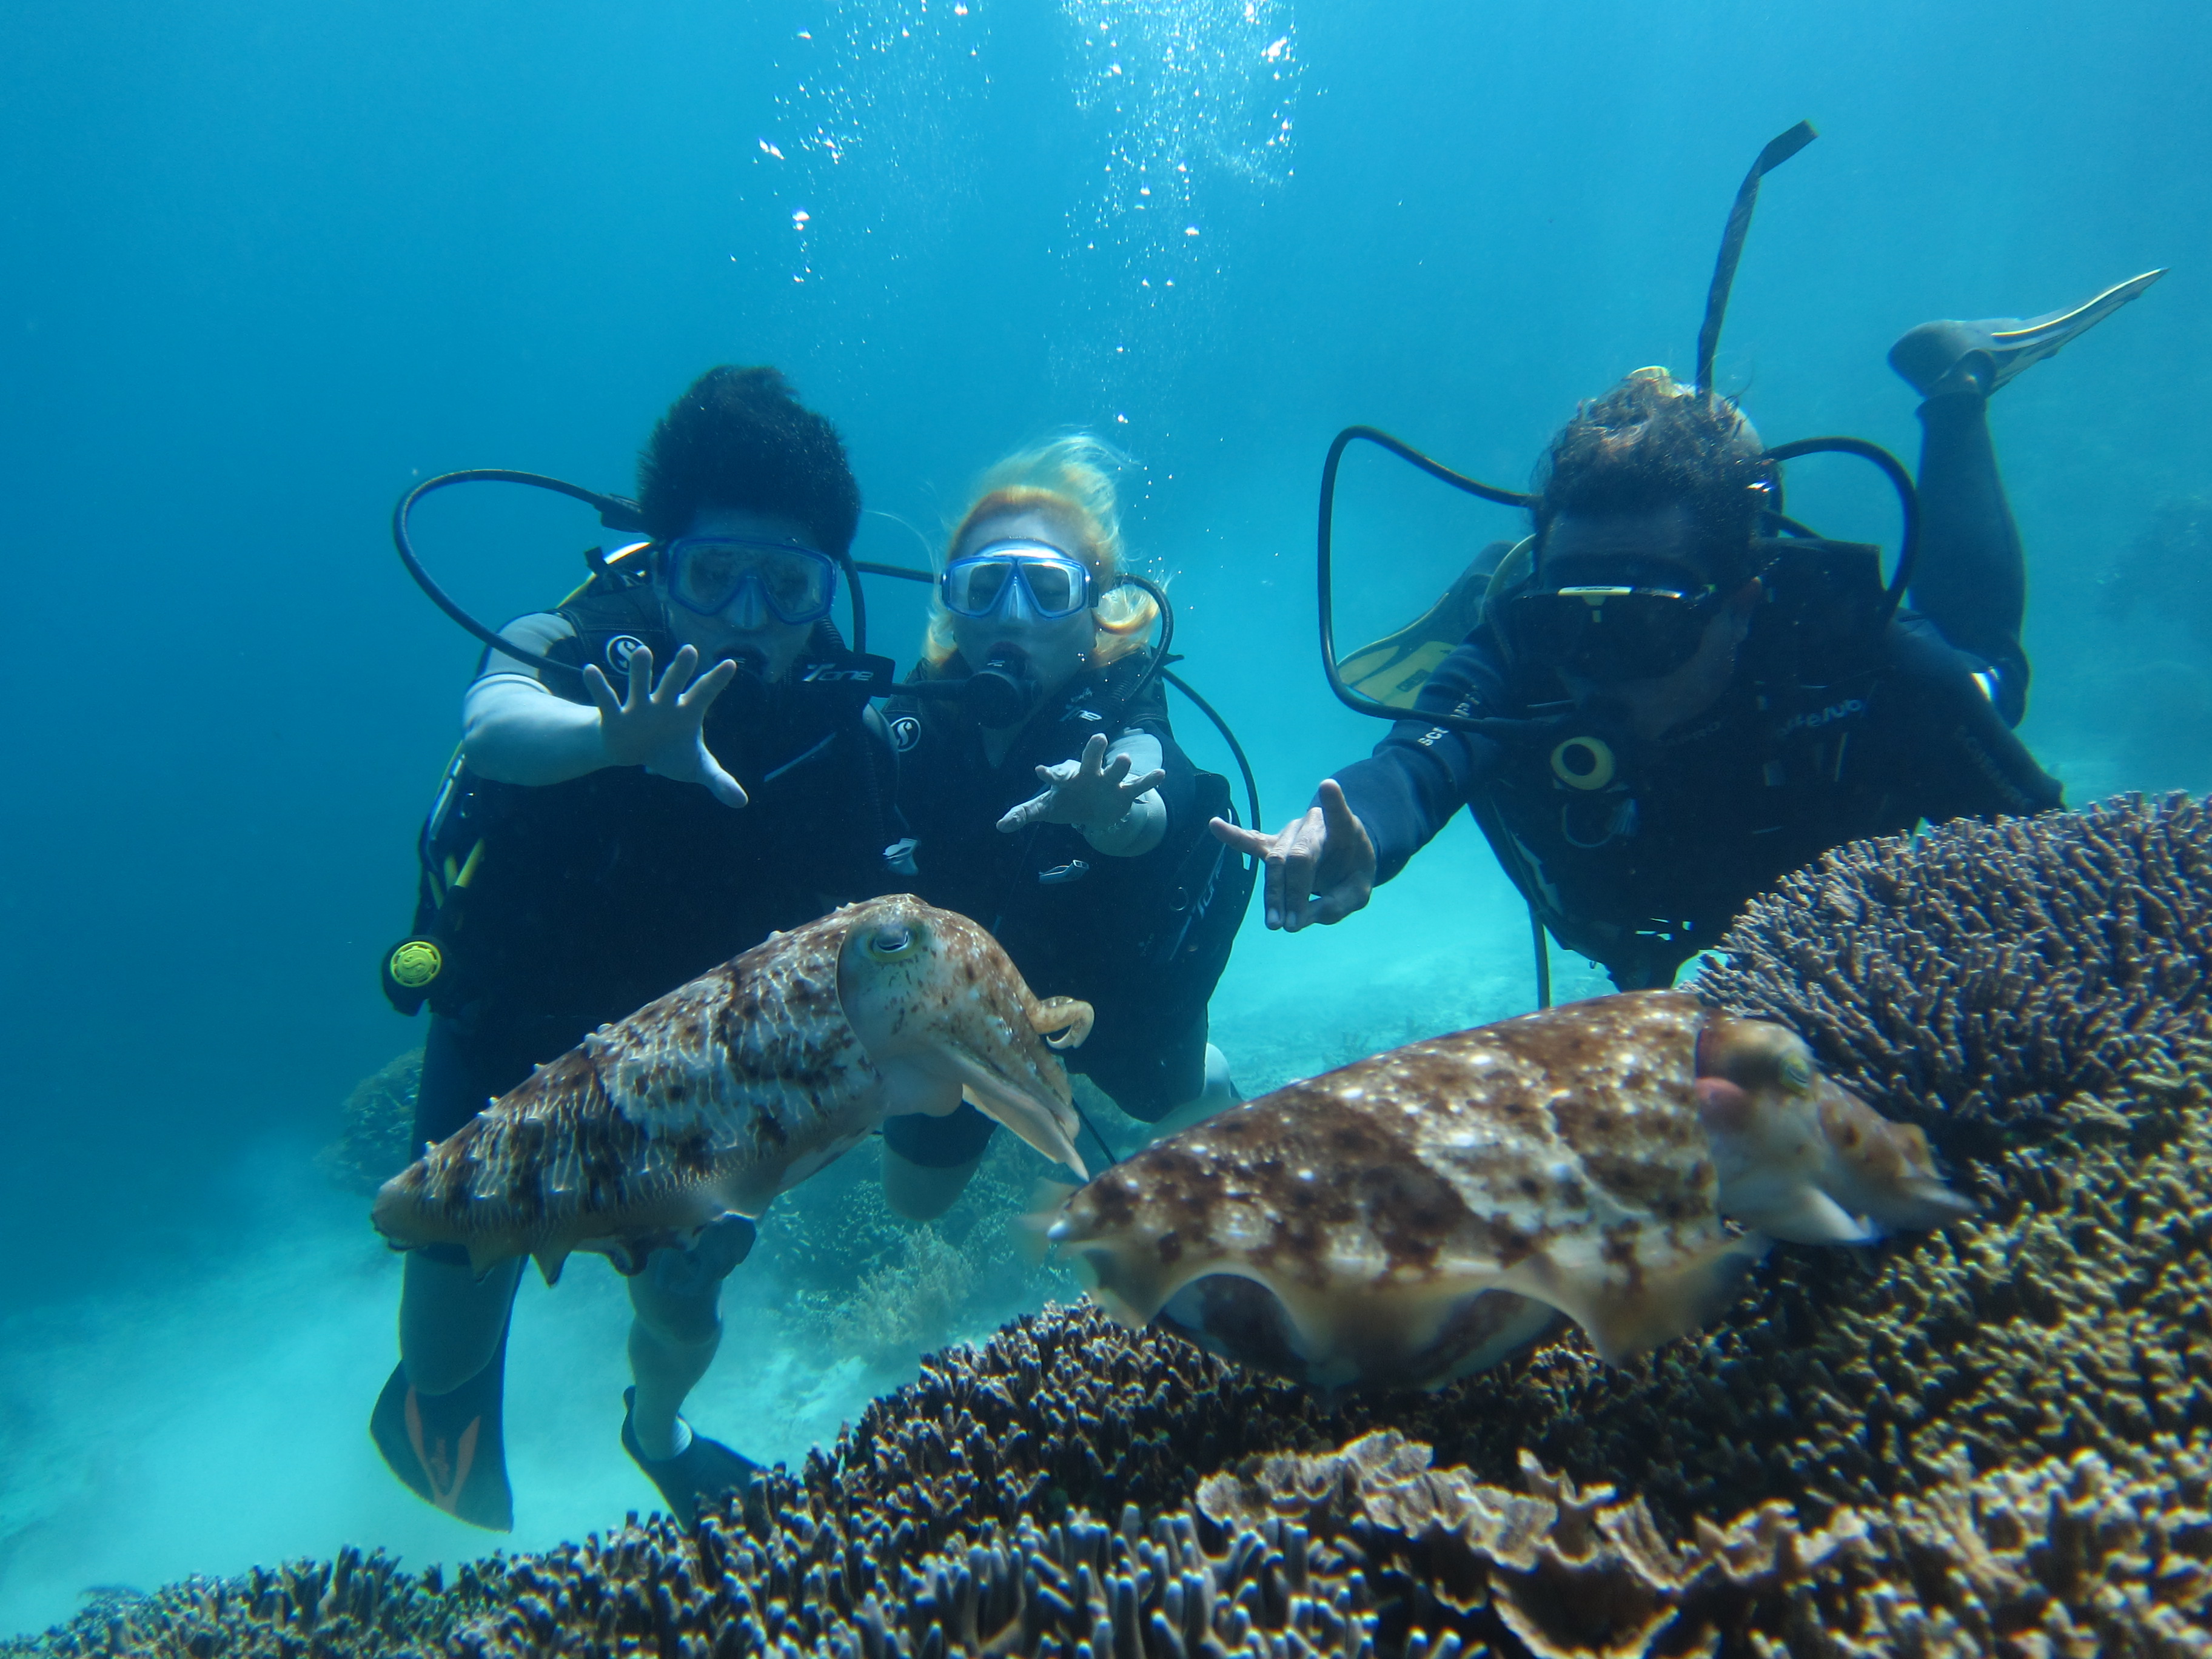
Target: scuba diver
{"x": 674, "y": 762}
{"x": 1670, "y": 694}
{"x": 1101, "y": 883}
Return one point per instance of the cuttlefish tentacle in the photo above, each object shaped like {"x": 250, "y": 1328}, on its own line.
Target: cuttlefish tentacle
{"x": 1426, "y": 1213}
{"x": 738, "y": 1085}
{"x": 1063, "y": 1021}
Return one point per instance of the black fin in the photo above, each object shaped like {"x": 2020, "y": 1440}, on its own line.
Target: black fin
{"x": 447, "y": 1449}
{"x": 700, "y": 1475}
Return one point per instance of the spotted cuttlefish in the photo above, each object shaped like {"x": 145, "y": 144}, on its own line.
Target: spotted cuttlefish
{"x": 742, "y": 1084}
{"x": 1426, "y": 1212}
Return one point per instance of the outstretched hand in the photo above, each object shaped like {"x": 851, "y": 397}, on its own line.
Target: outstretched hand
{"x": 1321, "y": 868}
{"x": 1091, "y": 791}
{"x": 658, "y": 727}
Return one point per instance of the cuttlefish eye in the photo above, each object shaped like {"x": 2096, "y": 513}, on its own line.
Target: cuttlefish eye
{"x": 889, "y": 943}
{"x": 1796, "y": 1073}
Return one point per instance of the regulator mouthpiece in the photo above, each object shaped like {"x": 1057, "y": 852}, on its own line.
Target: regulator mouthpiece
{"x": 1002, "y": 692}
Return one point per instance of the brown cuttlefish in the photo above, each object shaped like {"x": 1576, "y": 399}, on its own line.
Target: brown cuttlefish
{"x": 742, "y": 1084}
{"x": 1424, "y": 1214}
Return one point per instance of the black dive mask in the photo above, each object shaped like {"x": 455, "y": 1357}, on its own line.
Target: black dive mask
{"x": 1611, "y": 633}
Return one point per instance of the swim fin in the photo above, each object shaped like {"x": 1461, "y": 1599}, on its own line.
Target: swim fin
{"x": 1926, "y": 355}
{"x": 703, "y": 1472}
{"x": 1394, "y": 668}
{"x": 448, "y": 1447}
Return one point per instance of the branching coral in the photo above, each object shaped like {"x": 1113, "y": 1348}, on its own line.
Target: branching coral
{"x": 357, "y": 1607}
{"x": 1358, "y": 1552}
{"x": 376, "y": 1127}
{"x": 1988, "y": 973}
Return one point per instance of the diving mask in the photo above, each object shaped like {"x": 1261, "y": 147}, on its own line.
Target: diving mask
{"x": 709, "y": 573}
{"x": 1611, "y": 633}
{"x": 1054, "y": 584}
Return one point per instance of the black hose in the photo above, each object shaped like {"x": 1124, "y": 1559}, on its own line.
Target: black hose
{"x": 616, "y": 513}
{"x": 1160, "y": 662}
{"x": 1908, "y": 502}
{"x": 1251, "y": 788}
{"x": 1324, "y": 577}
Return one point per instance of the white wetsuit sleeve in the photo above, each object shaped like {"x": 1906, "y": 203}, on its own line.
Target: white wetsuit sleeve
{"x": 1141, "y": 828}
{"x": 515, "y": 730}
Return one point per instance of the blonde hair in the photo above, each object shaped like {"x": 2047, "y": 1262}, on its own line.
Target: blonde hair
{"x": 1071, "y": 478}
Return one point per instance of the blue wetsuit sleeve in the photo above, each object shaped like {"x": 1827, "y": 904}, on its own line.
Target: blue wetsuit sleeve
{"x": 1407, "y": 790}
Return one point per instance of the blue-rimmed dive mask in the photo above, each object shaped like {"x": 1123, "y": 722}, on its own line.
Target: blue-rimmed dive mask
{"x": 1000, "y": 578}
{"x": 745, "y": 580}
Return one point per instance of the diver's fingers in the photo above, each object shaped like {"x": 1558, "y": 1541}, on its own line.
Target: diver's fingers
{"x": 1094, "y": 753}
{"x": 702, "y": 691}
{"x": 1350, "y": 852}
{"x": 1336, "y": 814}
{"x": 1340, "y": 901}
{"x": 638, "y": 669}
{"x": 1115, "y": 769}
{"x": 1133, "y": 788}
{"x": 1020, "y": 815}
{"x": 678, "y": 677}
{"x": 1291, "y": 870}
{"x": 602, "y": 693}
{"x": 1237, "y": 839}
{"x": 719, "y": 784}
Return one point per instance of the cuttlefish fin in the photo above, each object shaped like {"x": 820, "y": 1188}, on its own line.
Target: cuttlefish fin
{"x": 1042, "y": 1126}
{"x": 1657, "y": 1304}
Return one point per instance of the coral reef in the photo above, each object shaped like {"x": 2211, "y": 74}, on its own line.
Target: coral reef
{"x": 1996, "y": 1439}
{"x": 357, "y": 1607}
{"x": 1365, "y": 1551}
{"x": 376, "y": 1127}
{"x": 859, "y": 1280}
{"x": 1988, "y": 975}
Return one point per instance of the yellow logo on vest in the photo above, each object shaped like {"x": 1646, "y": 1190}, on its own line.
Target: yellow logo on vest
{"x": 415, "y": 963}
{"x": 1583, "y": 764}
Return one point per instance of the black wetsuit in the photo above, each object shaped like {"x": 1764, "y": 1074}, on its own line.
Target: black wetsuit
{"x": 1829, "y": 732}
{"x": 1142, "y": 940}
{"x": 592, "y": 897}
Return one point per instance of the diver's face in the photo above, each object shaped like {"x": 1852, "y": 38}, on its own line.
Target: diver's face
{"x": 1054, "y": 649}
{"x": 1655, "y": 548}
{"x": 748, "y": 631}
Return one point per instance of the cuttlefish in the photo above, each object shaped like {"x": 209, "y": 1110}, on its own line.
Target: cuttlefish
{"x": 1426, "y": 1212}
{"x": 740, "y": 1085}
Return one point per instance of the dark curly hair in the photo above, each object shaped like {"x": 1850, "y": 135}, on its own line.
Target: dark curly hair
{"x": 1648, "y": 443}
{"x": 739, "y": 438}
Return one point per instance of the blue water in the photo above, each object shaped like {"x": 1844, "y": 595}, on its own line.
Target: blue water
{"x": 269, "y": 263}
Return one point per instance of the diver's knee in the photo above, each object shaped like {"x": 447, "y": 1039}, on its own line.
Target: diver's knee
{"x": 450, "y": 1321}
{"x": 678, "y": 1296}
{"x": 921, "y": 1192}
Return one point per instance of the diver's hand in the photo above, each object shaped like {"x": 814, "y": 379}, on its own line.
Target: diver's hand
{"x": 659, "y": 729}
{"x": 1091, "y": 791}
{"x": 1321, "y": 868}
